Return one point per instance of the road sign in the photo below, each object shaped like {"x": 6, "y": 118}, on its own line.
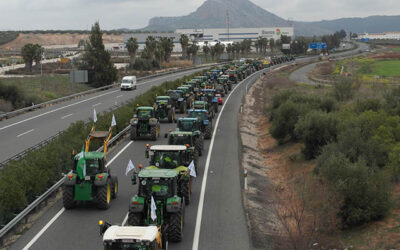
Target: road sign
{"x": 318, "y": 46}
{"x": 313, "y": 45}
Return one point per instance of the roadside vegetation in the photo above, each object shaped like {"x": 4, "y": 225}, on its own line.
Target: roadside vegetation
{"x": 348, "y": 134}
{"x": 7, "y": 36}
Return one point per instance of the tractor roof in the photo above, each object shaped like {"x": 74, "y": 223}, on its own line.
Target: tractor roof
{"x": 91, "y": 155}
{"x": 158, "y": 173}
{"x": 168, "y": 148}
{"x": 175, "y": 90}
{"x": 131, "y": 233}
{"x": 208, "y": 90}
{"x": 181, "y": 133}
{"x": 184, "y": 87}
{"x": 162, "y": 97}
{"x": 188, "y": 119}
{"x": 145, "y": 108}
{"x": 198, "y": 111}
{"x": 199, "y": 102}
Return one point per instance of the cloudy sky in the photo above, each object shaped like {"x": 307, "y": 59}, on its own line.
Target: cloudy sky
{"x": 81, "y": 14}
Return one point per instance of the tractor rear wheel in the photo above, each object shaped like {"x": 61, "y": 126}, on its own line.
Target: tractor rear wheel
{"x": 68, "y": 197}
{"x": 134, "y": 219}
{"x": 185, "y": 190}
{"x": 170, "y": 118}
{"x": 208, "y": 131}
{"x": 230, "y": 87}
{"x": 133, "y": 133}
{"x": 175, "y": 225}
{"x": 103, "y": 196}
{"x": 153, "y": 133}
{"x": 182, "y": 107}
{"x": 198, "y": 147}
{"x": 114, "y": 188}
{"x": 196, "y": 160}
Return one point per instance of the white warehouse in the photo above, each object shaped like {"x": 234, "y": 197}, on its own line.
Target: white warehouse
{"x": 381, "y": 36}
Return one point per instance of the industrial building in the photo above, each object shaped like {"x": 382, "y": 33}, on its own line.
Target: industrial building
{"x": 212, "y": 36}
{"x": 381, "y": 36}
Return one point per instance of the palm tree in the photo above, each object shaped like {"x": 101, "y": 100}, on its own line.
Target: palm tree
{"x": 184, "y": 40}
{"x": 132, "y": 46}
{"x": 151, "y": 44}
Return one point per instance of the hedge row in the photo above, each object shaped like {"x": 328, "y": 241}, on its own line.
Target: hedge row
{"x": 24, "y": 180}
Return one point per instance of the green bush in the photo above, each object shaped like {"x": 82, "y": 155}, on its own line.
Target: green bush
{"x": 365, "y": 192}
{"x": 316, "y": 129}
{"x": 367, "y": 104}
{"x": 145, "y": 64}
{"x": 392, "y": 102}
{"x": 343, "y": 89}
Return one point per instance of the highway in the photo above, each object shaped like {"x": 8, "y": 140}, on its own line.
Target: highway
{"x": 24, "y": 131}
{"x": 215, "y": 219}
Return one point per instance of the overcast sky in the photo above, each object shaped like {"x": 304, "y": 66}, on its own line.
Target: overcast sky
{"x": 81, "y": 14}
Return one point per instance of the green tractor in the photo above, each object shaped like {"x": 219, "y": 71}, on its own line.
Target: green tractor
{"x": 134, "y": 238}
{"x": 204, "y": 119}
{"x": 192, "y": 140}
{"x": 177, "y": 100}
{"x": 224, "y": 80}
{"x": 178, "y": 158}
{"x": 164, "y": 108}
{"x": 187, "y": 94}
{"x": 204, "y": 105}
{"x": 233, "y": 76}
{"x": 90, "y": 180}
{"x": 144, "y": 123}
{"x": 161, "y": 186}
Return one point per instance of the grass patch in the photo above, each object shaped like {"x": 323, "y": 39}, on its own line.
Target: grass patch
{"x": 46, "y": 88}
{"x": 386, "y": 68}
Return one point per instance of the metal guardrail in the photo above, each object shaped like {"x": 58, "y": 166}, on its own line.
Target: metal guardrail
{"x": 10, "y": 225}
{"x": 65, "y": 98}
{"x": 26, "y": 151}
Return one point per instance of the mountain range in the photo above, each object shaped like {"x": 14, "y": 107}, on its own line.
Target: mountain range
{"x": 245, "y": 14}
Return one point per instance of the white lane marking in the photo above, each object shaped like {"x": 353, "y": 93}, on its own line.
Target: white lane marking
{"x": 62, "y": 210}
{"x": 65, "y": 116}
{"x": 25, "y": 133}
{"x": 55, "y": 110}
{"x": 125, "y": 219}
{"x": 196, "y": 237}
{"x": 119, "y": 96}
{"x": 43, "y": 229}
{"x": 97, "y": 104}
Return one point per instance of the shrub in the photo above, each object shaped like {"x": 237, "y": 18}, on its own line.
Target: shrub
{"x": 367, "y": 104}
{"x": 343, "y": 89}
{"x": 365, "y": 191}
{"x": 316, "y": 129}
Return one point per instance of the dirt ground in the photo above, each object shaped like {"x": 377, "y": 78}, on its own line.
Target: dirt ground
{"x": 55, "y": 39}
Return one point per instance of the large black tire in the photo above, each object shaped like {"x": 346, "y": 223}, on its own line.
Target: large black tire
{"x": 196, "y": 161}
{"x": 182, "y": 107}
{"x": 170, "y": 118}
{"x": 164, "y": 241}
{"x": 133, "y": 133}
{"x": 114, "y": 188}
{"x": 186, "y": 192}
{"x": 175, "y": 225}
{"x": 68, "y": 197}
{"x": 208, "y": 131}
{"x": 216, "y": 107}
{"x": 134, "y": 219}
{"x": 153, "y": 133}
{"x": 230, "y": 87}
{"x": 198, "y": 146}
{"x": 103, "y": 196}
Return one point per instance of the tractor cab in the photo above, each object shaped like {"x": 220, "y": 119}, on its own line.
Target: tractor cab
{"x": 205, "y": 120}
{"x": 189, "y": 124}
{"x": 144, "y": 113}
{"x": 133, "y": 238}
{"x": 169, "y": 156}
{"x": 145, "y": 123}
{"x": 178, "y": 100}
{"x": 164, "y": 108}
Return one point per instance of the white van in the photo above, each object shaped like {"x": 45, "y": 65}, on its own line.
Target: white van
{"x": 128, "y": 82}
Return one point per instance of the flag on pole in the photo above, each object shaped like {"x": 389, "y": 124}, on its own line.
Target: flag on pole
{"x": 129, "y": 167}
{"x": 192, "y": 169}
{"x": 81, "y": 165}
{"x": 153, "y": 209}
{"x": 113, "y": 121}
{"x": 94, "y": 115}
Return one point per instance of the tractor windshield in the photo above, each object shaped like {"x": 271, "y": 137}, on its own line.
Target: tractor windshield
{"x": 175, "y": 95}
{"x": 186, "y": 125}
{"x": 201, "y": 115}
{"x": 180, "y": 140}
{"x": 144, "y": 113}
{"x": 157, "y": 187}
{"x": 167, "y": 159}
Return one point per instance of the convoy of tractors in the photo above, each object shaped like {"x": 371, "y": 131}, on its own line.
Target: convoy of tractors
{"x": 156, "y": 212}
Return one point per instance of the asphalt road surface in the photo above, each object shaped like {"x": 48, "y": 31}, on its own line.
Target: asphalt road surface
{"x": 26, "y": 130}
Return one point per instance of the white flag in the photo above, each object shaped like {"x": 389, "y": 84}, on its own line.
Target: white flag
{"x": 129, "y": 167}
{"x": 113, "y": 121}
{"x": 153, "y": 209}
{"x": 94, "y": 115}
{"x": 192, "y": 169}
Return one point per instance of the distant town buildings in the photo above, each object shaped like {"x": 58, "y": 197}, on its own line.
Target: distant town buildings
{"x": 381, "y": 36}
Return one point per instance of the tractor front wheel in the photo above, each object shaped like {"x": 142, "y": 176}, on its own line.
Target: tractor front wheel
{"x": 170, "y": 118}
{"x": 68, "y": 197}
{"x": 175, "y": 225}
{"x": 103, "y": 197}
{"x": 153, "y": 132}
{"x": 185, "y": 189}
{"x": 182, "y": 107}
{"x": 133, "y": 133}
{"x": 208, "y": 131}
{"x": 134, "y": 219}
{"x": 196, "y": 161}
